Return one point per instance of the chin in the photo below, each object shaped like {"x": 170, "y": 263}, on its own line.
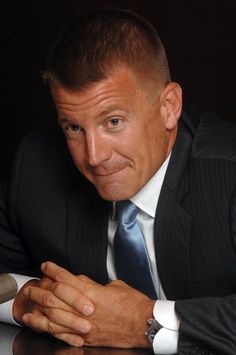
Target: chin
{"x": 114, "y": 193}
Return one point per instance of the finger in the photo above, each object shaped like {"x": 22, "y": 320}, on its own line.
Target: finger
{"x": 69, "y": 295}
{"x": 72, "y": 322}
{"x": 42, "y": 324}
{"x": 46, "y": 283}
{"x": 71, "y": 339}
{"x": 86, "y": 280}
{"x": 45, "y": 298}
{"x": 81, "y": 284}
{"x": 60, "y": 274}
{"x": 56, "y": 322}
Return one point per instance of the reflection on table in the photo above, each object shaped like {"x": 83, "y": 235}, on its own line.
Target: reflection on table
{"x": 27, "y": 342}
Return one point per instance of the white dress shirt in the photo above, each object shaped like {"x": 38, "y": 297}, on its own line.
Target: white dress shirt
{"x": 166, "y": 340}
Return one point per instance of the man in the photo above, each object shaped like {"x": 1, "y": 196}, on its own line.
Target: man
{"x": 121, "y": 115}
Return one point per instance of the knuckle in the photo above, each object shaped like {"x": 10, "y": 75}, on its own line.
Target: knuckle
{"x": 58, "y": 287}
{"x": 117, "y": 283}
{"x": 61, "y": 276}
{"x": 44, "y": 283}
{"x": 51, "y": 328}
{"x": 83, "y": 278}
{"x": 52, "y": 314}
{"x": 78, "y": 304}
{"x": 47, "y": 299}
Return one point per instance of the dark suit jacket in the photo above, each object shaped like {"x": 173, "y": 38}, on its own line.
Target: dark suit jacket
{"x": 48, "y": 211}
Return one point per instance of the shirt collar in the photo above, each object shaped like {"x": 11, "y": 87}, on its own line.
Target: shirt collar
{"x": 147, "y": 198}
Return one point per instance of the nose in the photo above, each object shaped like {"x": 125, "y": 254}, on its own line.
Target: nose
{"x": 98, "y": 149}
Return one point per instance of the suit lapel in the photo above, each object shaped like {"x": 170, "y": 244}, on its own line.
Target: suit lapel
{"x": 87, "y": 225}
{"x": 172, "y": 228}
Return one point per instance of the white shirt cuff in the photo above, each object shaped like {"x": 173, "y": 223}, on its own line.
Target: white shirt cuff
{"x": 166, "y": 339}
{"x": 6, "y": 307}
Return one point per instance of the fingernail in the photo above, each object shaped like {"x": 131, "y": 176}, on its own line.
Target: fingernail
{"x": 26, "y": 291}
{"x": 88, "y": 310}
{"x": 77, "y": 342}
{"x": 85, "y": 328}
{"x": 25, "y": 318}
{"x": 43, "y": 266}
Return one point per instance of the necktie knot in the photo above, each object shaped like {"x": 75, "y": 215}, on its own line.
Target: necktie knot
{"x": 126, "y": 212}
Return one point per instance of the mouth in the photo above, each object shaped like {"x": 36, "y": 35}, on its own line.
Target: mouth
{"x": 108, "y": 173}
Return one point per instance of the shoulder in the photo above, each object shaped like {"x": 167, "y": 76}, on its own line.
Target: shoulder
{"x": 214, "y": 138}
{"x": 44, "y": 154}
{"x": 42, "y": 142}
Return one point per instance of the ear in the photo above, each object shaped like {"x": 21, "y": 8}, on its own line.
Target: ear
{"x": 171, "y": 104}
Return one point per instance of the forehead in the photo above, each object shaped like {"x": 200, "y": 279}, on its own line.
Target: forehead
{"x": 122, "y": 84}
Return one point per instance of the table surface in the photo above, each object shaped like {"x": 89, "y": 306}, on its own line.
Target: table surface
{"x": 27, "y": 342}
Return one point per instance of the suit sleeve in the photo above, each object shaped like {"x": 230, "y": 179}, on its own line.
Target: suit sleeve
{"x": 13, "y": 253}
{"x": 209, "y": 321}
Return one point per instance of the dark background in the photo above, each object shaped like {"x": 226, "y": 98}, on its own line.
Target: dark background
{"x": 199, "y": 36}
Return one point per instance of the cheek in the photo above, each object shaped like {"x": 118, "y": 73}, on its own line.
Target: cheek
{"x": 130, "y": 141}
{"x": 154, "y": 149}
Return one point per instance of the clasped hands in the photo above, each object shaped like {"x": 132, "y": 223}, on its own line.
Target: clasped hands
{"x": 80, "y": 312}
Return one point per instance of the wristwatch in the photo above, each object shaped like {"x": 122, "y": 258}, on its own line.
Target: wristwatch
{"x": 8, "y": 288}
{"x": 153, "y": 328}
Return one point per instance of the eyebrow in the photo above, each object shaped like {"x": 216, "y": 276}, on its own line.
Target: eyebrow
{"x": 62, "y": 120}
{"x": 110, "y": 109}
{"x": 101, "y": 113}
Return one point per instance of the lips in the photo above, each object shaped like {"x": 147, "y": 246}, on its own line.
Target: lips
{"x": 100, "y": 172}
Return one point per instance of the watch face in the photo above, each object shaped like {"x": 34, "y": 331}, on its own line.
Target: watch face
{"x": 8, "y": 288}
{"x": 153, "y": 328}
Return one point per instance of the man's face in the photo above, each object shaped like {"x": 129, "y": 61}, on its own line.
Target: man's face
{"x": 116, "y": 133}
